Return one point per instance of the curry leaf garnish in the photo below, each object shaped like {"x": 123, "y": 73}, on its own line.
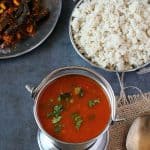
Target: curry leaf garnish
{"x": 77, "y": 119}
{"x": 79, "y": 91}
{"x": 64, "y": 97}
{"x": 92, "y": 103}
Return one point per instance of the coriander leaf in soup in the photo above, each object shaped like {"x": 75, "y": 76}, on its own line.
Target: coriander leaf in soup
{"x": 77, "y": 119}
{"x": 58, "y": 128}
{"x": 92, "y": 103}
{"x": 56, "y": 119}
{"x": 64, "y": 97}
{"x": 57, "y": 110}
{"x": 49, "y": 115}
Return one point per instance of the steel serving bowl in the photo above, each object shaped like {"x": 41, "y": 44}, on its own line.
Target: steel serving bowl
{"x": 81, "y": 71}
{"x": 88, "y": 59}
{"x": 43, "y": 31}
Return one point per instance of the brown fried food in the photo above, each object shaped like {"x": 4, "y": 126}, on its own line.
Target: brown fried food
{"x": 19, "y": 19}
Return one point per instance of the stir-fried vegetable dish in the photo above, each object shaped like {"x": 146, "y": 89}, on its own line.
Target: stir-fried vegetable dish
{"x": 19, "y": 19}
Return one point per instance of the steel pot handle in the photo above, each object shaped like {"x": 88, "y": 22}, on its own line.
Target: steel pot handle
{"x": 33, "y": 93}
{"x": 117, "y": 120}
{"x": 31, "y": 90}
{"x": 34, "y": 90}
{"x": 122, "y": 95}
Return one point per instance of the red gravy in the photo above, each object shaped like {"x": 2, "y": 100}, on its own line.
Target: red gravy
{"x": 73, "y": 109}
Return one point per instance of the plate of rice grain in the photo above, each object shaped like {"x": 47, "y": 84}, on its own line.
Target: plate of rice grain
{"x": 112, "y": 34}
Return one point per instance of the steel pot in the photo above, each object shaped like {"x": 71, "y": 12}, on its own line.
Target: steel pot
{"x": 66, "y": 71}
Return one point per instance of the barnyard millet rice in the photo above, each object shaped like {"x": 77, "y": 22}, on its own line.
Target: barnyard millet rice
{"x": 114, "y": 34}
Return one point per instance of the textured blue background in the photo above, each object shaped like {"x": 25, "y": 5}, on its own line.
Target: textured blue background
{"x": 17, "y": 126}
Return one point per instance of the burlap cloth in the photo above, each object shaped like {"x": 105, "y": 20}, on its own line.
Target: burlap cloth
{"x": 128, "y": 109}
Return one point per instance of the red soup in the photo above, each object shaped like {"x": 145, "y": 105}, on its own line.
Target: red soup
{"x": 73, "y": 108}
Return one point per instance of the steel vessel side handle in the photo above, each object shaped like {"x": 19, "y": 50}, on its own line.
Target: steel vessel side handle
{"x": 31, "y": 90}
{"x": 117, "y": 120}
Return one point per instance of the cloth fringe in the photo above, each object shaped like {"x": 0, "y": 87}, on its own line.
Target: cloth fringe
{"x": 130, "y": 99}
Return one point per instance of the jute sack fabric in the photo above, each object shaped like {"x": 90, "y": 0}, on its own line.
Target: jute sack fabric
{"x": 129, "y": 109}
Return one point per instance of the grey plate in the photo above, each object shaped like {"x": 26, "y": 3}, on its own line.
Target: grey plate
{"x": 83, "y": 56}
{"x": 43, "y": 31}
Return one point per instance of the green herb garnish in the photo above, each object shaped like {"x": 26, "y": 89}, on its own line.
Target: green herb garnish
{"x": 58, "y": 128}
{"x": 57, "y": 110}
{"x": 49, "y": 115}
{"x": 77, "y": 119}
{"x": 64, "y": 97}
{"x": 92, "y": 103}
{"x": 56, "y": 113}
{"x": 79, "y": 91}
{"x": 56, "y": 119}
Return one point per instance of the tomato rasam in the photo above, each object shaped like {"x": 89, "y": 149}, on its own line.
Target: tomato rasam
{"x": 73, "y": 108}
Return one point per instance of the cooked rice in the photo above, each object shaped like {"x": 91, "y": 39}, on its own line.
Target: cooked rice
{"x": 114, "y": 34}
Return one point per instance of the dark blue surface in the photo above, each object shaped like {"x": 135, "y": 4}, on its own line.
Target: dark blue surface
{"x": 17, "y": 126}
